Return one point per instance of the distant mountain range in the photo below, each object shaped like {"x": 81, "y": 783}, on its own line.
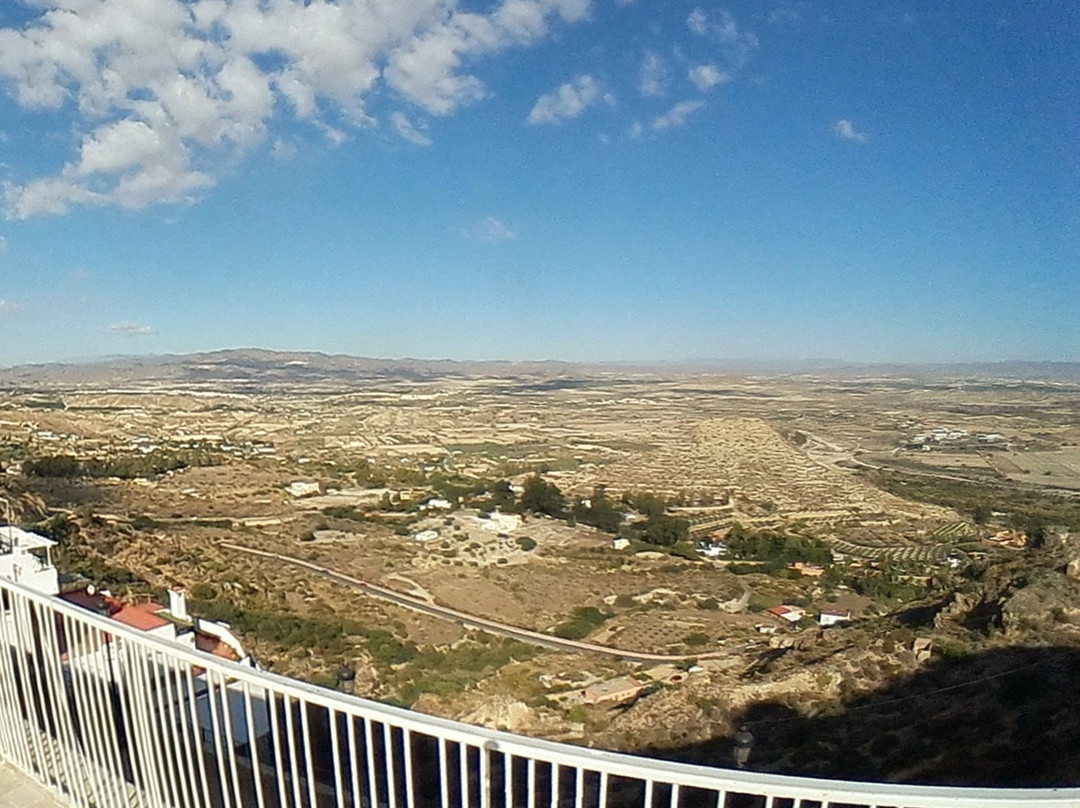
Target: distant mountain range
{"x": 253, "y": 367}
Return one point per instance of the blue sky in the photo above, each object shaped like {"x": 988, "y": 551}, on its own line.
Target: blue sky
{"x": 527, "y": 179}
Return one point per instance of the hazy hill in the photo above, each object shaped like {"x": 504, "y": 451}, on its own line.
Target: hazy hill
{"x": 253, "y": 367}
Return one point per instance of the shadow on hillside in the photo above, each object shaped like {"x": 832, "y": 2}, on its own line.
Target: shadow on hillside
{"x": 1007, "y": 718}
{"x": 70, "y": 493}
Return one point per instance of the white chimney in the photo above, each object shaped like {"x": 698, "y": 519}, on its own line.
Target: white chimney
{"x": 178, "y": 605}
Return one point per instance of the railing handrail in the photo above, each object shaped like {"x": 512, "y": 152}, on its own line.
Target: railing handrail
{"x": 613, "y": 763}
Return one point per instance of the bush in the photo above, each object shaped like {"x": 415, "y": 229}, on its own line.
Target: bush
{"x": 696, "y": 639}
{"x": 685, "y": 550}
{"x": 58, "y": 466}
{"x": 951, "y": 650}
{"x": 584, "y": 620}
{"x": 144, "y": 523}
{"x": 526, "y": 544}
{"x": 57, "y": 527}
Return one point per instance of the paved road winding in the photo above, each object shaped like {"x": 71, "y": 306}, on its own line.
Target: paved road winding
{"x": 470, "y": 620}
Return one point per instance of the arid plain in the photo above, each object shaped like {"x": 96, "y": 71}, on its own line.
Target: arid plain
{"x": 721, "y": 545}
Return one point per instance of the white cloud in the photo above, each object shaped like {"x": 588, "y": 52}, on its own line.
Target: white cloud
{"x": 698, "y": 22}
{"x": 130, "y": 329}
{"x": 721, "y": 27}
{"x": 569, "y": 101}
{"x": 334, "y": 136}
{"x": 407, "y": 131}
{"x": 492, "y": 229}
{"x": 677, "y": 115}
{"x": 166, "y": 92}
{"x": 705, "y": 77}
{"x": 787, "y": 13}
{"x": 53, "y": 195}
{"x": 653, "y": 75}
{"x": 846, "y": 129}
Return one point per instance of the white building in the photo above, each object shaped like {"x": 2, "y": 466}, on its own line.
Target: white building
{"x": 26, "y": 558}
{"x": 831, "y": 617}
{"x": 501, "y": 522}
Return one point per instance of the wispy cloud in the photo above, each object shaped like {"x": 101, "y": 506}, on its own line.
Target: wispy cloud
{"x": 130, "y": 329}
{"x": 569, "y": 101}
{"x": 492, "y": 229}
{"x": 9, "y": 307}
{"x": 654, "y": 74}
{"x": 407, "y": 131}
{"x": 846, "y": 129}
{"x": 677, "y": 115}
{"x": 705, "y": 77}
{"x": 721, "y": 27}
{"x": 334, "y": 136}
{"x": 3, "y": 243}
{"x": 787, "y": 13}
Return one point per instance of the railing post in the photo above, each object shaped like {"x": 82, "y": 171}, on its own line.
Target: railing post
{"x": 113, "y": 718}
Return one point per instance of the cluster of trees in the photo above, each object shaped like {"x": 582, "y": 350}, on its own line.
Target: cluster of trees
{"x": 888, "y": 587}
{"x": 484, "y": 494}
{"x": 542, "y": 497}
{"x": 127, "y": 467}
{"x": 545, "y": 498}
{"x": 1028, "y": 510}
{"x": 599, "y": 512}
{"x": 660, "y": 529}
{"x": 774, "y": 549}
{"x": 604, "y": 513}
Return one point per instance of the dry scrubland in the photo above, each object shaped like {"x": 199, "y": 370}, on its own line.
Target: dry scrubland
{"x": 835, "y": 464}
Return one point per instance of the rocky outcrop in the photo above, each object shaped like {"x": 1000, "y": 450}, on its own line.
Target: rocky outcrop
{"x": 504, "y": 712}
{"x": 1032, "y": 593}
{"x": 1049, "y": 597}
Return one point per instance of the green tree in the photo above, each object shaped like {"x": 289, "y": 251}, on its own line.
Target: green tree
{"x": 647, "y": 504}
{"x": 501, "y": 495}
{"x": 57, "y": 466}
{"x": 601, "y": 512}
{"x": 541, "y": 497}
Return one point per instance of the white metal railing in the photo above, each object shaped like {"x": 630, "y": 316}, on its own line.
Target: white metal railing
{"x": 109, "y": 717}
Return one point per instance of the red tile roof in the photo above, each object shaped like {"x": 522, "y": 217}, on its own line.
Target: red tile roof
{"x": 140, "y": 617}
